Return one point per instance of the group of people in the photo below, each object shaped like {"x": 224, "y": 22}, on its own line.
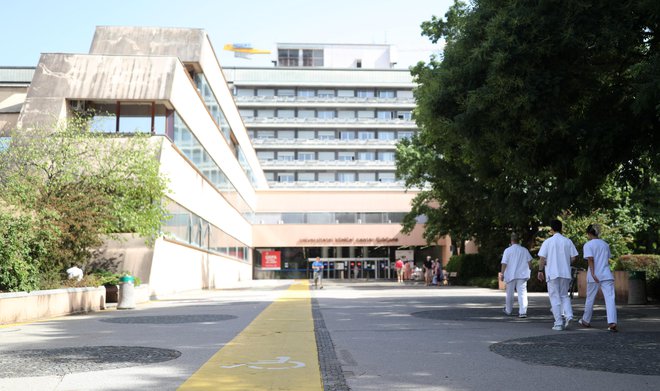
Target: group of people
{"x": 555, "y": 258}
{"x": 433, "y": 273}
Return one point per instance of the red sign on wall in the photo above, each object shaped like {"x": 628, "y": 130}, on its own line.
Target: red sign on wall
{"x": 271, "y": 260}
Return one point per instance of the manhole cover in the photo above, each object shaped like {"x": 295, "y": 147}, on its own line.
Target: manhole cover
{"x": 170, "y": 319}
{"x": 62, "y": 361}
{"x": 636, "y": 353}
{"x": 490, "y": 314}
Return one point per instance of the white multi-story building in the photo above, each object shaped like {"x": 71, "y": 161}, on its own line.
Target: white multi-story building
{"x": 327, "y": 115}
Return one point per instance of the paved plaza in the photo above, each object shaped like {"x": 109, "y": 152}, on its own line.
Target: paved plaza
{"x": 282, "y": 335}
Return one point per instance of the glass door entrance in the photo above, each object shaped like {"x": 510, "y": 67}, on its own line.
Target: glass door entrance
{"x": 355, "y": 269}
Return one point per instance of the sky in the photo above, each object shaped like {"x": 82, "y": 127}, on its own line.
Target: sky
{"x": 32, "y": 27}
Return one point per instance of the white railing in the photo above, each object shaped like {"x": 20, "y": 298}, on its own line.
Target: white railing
{"x": 326, "y": 164}
{"x": 323, "y": 99}
{"x": 272, "y": 142}
{"x": 337, "y": 185}
{"x": 339, "y": 121}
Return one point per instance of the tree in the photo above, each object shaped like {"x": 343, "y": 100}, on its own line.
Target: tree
{"x": 82, "y": 185}
{"x": 532, "y": 106}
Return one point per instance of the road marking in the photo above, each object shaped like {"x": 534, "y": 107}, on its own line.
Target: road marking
{"x": 285, "y": 331}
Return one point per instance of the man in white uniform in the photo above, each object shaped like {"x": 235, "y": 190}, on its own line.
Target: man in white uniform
{"x": 516, "y": 262}
{"x": 556, "y": 255}
{"x": 597, "y": 254}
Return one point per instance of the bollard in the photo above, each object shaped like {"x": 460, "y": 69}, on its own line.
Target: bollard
{"x": 126, "y": 293}
{"x": 636, "y": 287}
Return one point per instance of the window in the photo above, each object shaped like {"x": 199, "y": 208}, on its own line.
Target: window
{"x": 286, "y": 134}
{"x": 266, "y": 155}
{"x": 346, "y": 93}
{"x": 386, "y": 94}
{"x": 386, "y": 156}
{"x": 286, "y": 113}
{"x": 287, "y": 57}
{"x": 285, "y": 155}
{"x": 326, "y": 93}
{"x": 264, "y": 134}
{"x": 133, "y": 117}
{"x": 386, "y": 135}
{"x": 366, "y": 114}
{"x": 407, "y": 115}
{"x": 306, "y": 134}
{"x": 326, "y": 114}
{"x": 306, "y": 93}
{"x": 251, "y": 134}
{"x": 347, "y": 135}
{"x": 306, "y": 156}
{"x": 312, "y": 57}
{"x": 327, "y": 135}
{"x": 367, "y": 155}
{"x": 244, "y": 92}
{"x": 345, "y": 156}
{"x": 366, "y": 135}
{"x": 404, "y": 94}
{"x": 246, "y": 113}
{"x": 306, "y": 177}
{"x": 365, "y": 93}
{"x": 326, "y": 176}
{"x": 265, "y": 92}
{"x": 325, "y": 155}
{"x": 367, "y": 177}
{"x": 265, "y": 113}
{"x": 348, "y": 114}
{"x": 346, "y": 176}
{"x": 285, "y": 177}
{"x": 405, "y": 134}
{"x": 386, "y": 177}
{"x": 385, "y": 114}
{"x": 286, "y": 92}
{"x": 270, "y": 176}
{"x": 306, "y": 113}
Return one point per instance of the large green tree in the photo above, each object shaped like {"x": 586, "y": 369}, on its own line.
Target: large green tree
{"x": 528, "y": 112}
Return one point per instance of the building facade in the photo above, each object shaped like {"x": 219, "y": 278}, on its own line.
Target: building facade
{"x": 302, "y": 165}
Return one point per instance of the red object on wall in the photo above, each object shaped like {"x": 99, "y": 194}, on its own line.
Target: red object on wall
{"x": 271, "y": 260}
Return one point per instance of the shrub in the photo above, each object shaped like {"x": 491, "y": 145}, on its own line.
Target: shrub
{"x": 472, "y": 265}
{"x": 483, "y": 282}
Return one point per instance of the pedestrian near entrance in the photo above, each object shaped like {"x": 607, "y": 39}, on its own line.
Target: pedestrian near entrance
{"x": 317, "y": 267}
{"x": 428, "y": 271}
{"x": 398, "y": 265}
{"x": 556, "y": 255}
{"x": 516, "y": 264}
{"x": 597, "y": 253}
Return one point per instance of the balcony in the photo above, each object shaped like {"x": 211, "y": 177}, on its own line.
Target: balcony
{"x": 328, "y": 165}
{"x": 320, "y": 101}
{"x": 294, "y": 143}
{"x": 273, "y": 122}
{"x": 398, "y": 185}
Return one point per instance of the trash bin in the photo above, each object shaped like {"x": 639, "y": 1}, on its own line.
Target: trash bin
{"x": 637, "y": 287}
{"x": 126, "y": 293}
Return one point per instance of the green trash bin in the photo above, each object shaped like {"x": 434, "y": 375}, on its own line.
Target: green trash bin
{"x": 637, "y": 287}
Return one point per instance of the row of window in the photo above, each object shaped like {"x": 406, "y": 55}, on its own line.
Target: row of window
{"x": 300, "y": 57}
{"x": 326, "y": 114}
{"x": 187, "y": 227}
{"x": 324, "y": 92}
{"x": 330, "y": 218}
{"x": 386, "y": 156}
{"x": 343, "y": 176}
{"x": 331, "y": 134}
{"x": 193, "y": 150}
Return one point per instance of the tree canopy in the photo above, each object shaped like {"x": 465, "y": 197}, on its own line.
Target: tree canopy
{"x": 532, "y": 110}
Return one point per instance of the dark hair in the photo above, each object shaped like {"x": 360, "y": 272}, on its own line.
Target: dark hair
{"x": 593, "y": 230}
{"x": 556, "y": 225}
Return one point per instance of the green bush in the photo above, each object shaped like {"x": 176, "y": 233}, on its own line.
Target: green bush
{"x": 483, "y": 282}
{"x": 22, "y": 250}
{"x": 650, "y": 263}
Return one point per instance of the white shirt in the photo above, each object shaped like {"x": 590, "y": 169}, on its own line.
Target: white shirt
{"x": 557, "y": 251}
{"x": 600, "y": 251}
{"x": 516, "y": 258}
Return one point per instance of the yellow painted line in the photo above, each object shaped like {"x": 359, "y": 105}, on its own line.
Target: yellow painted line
{"x": 277, "y": 351}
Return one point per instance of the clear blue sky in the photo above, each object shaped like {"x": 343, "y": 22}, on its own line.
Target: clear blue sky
{"x": 30, "y": 27}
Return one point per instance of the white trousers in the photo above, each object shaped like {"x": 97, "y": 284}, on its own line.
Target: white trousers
{"x": 607, "y": 287}
{"x": 559, "y": 301}
{"x": 520, "y": 286}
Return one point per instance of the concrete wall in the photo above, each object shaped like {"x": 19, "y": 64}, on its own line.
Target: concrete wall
{"x": 23, "y": 307}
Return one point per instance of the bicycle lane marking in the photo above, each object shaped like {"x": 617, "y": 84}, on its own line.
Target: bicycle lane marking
{"x": 277, "y": 351}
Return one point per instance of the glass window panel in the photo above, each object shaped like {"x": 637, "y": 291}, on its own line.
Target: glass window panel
{"x": 306, "y": 156}
{"x": 286, "y": 113}
{"x": 367, "y": 155}
{"x": 385, "y": 114}
{"x": 404, "y": 94}
{"x": 287, "y": 57}
{"x": 306, "y": 113}
{"x": 366, "y": 135}
{"x": 367, "y": 176}
{"x": 346, "y": 114}
{"x": 240, "y": 91}
{"x": 346, "y": 218}
{"x": 246, "y": 113}
{"x": 306, "y": 134}
{"x": 366, "y": 114}
{"x": 326, "y": 114}
{"x": 326, "y": 176}
{"x": 293, "y": 218}
{"x": 306, "y": 177}
{"x": 265, "y": 92}
{"x": 346, "y": 176}
{"x": 346, "y": 93}
{"x": 407, "y": 115}
{"x": 405, "y": 134}
{"x": 285, "y": 155}
{"x": 326, "y": 93}
{"x": 386, "y": 94}
{"x": 326, "y": 155}
{"x": 327, "y": 135}
{"x": 265, "y": 155}
{"x": 386, "y": 156}
{"x": 286, "y": 134}
{"x": 347, "y": 135}
{"x": 386, "y": 177}
{"x": 320, "y": 218}
{"x": 270, "y": 176}
{"x": 365, "y": 93}
{"x": 285, "y": 177}
{"x": 286, "y": 92}
{"x": 306, "y": 93}
{"x": 386, "y": 135}
{"x": 344, "y": 156}
{"x": 265, "y": 113}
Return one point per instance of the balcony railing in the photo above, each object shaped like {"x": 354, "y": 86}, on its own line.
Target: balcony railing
{"x": 337, "y": 185}
{"x": 329, "y": 121}
{"x": 240, "y": 100}
{"x": 326, "y": 164}
{"x": 306, "y": 143}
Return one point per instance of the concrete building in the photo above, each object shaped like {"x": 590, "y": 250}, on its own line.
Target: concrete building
{"x": 236, "y": 215}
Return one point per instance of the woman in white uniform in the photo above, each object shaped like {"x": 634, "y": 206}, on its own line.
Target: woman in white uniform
{"x": 597, "y": 253}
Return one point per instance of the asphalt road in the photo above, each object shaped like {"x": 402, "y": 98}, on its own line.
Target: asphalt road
{"x": 355, "y": 336}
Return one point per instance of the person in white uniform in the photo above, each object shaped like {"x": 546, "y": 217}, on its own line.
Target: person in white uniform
{"x": 556, "y": 255}
{"x": 516, "y": 263}
{"x": 597, "y": 253}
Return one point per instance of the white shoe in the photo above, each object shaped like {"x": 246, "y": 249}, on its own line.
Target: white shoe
{"x": 558, "y": 327}
{"x": 567, "y": 322}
